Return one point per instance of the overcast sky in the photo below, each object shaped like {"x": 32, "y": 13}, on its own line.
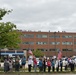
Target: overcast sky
{"x": 42, "y": 15}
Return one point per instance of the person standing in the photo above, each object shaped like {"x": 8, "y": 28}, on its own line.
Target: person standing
{"x": 53, "y": 65}
{"x": 40, "y": 65}
{"x": 35, "y": 64}
{"x": 72, "y": 66}
{"x": 61, "y": 65}
{"x": 23, "y": 62}
{"x": 66, "y": 64}
{"x": 17, "y": 65}
{"x": 6, "y": 66}
{"x": 57, "y": 65}
{"x": 49, "y": 65}
{"x": 44, "y": 64}
{"x": 10, "y": 65}
{"x": 30, "y": 62}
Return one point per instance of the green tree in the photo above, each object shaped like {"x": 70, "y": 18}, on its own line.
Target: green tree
{"x": 38, "y": 53}
{"x": 9, "y": 35}
{"x": 3, "y": 12}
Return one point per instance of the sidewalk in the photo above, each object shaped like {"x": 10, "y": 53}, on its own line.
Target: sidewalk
{"x": 35, "y": 74}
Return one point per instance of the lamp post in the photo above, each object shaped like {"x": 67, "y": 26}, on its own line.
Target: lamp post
{"x": 66, "y": 48}
{"x": 55, "y": 41}
{"x": 0, "y": 57}
{"x": 0, "y": 53}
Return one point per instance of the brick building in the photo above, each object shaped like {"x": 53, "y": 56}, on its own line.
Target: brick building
{"x": 49, "y": 42}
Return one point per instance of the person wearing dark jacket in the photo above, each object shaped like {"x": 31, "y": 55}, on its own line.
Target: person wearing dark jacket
{"x": 40, "y": 65}
{"x": 53, "y": 65}
{"x": 6, "y": 66}
{"x": 61, "y": 65}
{"x": 44, "y": 64}
{"x": 17, "y": 65}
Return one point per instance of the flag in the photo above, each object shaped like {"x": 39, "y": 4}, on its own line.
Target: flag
{"x": 59, "y": 55}
{"x": 30, "y": 52}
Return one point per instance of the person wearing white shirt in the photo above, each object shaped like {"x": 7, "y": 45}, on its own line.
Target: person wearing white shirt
{"x": 57, "y": 65}
{"x": 30, "y": 62}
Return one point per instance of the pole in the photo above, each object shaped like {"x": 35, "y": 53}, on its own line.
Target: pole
{"x": 66, "y": 48}
{"x": 0, "y": 57}
{"x": 48, "y": 42}
{"x": 0, "y": 54}
{"x": 55, "y": 41}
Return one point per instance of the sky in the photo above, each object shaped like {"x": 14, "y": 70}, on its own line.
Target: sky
{"x": 41, "y": 15}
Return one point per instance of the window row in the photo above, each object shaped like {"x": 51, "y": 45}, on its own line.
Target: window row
{"x": 46, "y": 36}
{"x": 52, "y": 43}
{"x": 44, "y": 50}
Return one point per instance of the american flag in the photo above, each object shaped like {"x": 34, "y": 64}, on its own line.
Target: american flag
{"x": 59, "y": 55}
{"x": 30, "y": 52}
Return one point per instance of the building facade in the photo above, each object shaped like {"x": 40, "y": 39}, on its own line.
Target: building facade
{"x": 49, "y": 42}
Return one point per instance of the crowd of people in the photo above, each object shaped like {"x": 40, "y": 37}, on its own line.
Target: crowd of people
{"x": 10, "y": 64}
{"x": 52, "y": 64}
{"x": 43, "y": 65}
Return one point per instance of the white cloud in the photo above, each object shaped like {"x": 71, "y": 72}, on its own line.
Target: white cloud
{"x": 44, "y": 15}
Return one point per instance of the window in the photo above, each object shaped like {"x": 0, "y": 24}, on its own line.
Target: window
{"x": 55, "y": 43}
{"x": 75, "y": 36}
{"x": 28, "y": 35}
{"x": 74, "y": 42}
{"x": 69, "y": 43}
{"x": 28, "y": 43}
{"x": 63, "y": 43}
{"x": 70, "y": 49}
{"x": 66, "y": 36}
{"x": 64, "y": 49}
{"x": 54, "y": 36}
{"x": 52, "y": 49}
{"x": 42, "y": 49}
{"x": 25, "y": 42}
{"x": 41, "y": 36}
{"x": 66, "y": 43}
{"x": 41, "y": 43}
{"x": 67, "y": 49}
{"x": 75, "y": 49}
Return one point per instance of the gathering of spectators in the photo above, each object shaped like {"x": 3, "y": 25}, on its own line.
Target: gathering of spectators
{"x": 44, "y": 65}
{"x": 53, "y": 64}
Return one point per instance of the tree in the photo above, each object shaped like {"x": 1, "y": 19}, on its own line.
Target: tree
{"x": 3, "y": 12}
{"x": 9, "y": 35}
{"x": 38, "y": 53}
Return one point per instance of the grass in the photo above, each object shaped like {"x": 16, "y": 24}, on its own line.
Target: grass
{"x": 32, "y": 73}
{"x": 26, "y": 72}
{"x": 67, "y": 72}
